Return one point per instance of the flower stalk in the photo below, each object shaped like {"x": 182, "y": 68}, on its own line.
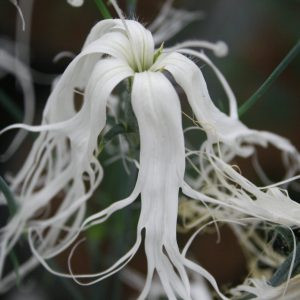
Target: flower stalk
{"x": 103, "y": 9}
{"x": 292, "y": 54}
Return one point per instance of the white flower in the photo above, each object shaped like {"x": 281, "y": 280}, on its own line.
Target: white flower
{"x": 72, "y": 137}
{"x": 64, "y": 157}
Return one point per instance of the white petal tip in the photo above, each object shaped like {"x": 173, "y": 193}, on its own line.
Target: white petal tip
{"x": 75, "y": 3}
{"x": 221, "y": 49}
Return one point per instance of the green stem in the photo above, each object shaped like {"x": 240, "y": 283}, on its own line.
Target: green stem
{"x": 11, "y": 202}
{"x": 14, "y": 260}
{"x": 264, "y": 87}
{"x": 131, "y": 6}
{"x": 282, "y": 272}
{"x": 103, "y": 9}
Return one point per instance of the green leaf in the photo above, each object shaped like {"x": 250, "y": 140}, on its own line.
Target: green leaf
{"x": 270, "y": 80}
{"x": 281, "y": 273}
{"x": 103, "y": 9}
{"x": 285, "y": 238}
{"x": 10, "y": 106}
{"x": 14, "y": 260}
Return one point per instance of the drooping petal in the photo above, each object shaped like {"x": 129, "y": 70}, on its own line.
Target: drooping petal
{"x": 157, "y": 108}
{"x": 215, "y": 123}
{"x": 60, "y": 106}
{"x": 233, "y": 110}
{"x": 218, "y": 126}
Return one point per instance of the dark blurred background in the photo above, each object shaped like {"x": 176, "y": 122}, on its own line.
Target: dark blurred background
{"x": 258, "y": 33}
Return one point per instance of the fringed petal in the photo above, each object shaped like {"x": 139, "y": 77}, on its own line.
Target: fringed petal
{"x": 268, "y": 204}
{"x": 75, "y": 144}
{"x": 157, "y": 108}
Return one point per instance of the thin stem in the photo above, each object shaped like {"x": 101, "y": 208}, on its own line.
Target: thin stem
{"x": 103, "y": 9}
{"x": 131, "y": 7}
{"x": 14, "y": 260}
{"x": 264, "y": 87}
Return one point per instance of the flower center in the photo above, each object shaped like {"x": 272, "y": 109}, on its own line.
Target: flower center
{"x": 140, "y": 48}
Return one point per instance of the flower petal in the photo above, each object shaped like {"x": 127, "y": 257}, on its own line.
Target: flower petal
{"x": 218, "y": 126}
{"x": 157, "y": 108}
